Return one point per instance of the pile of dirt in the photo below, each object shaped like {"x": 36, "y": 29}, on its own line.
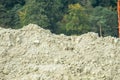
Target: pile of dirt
{"x": 32, "y": 53}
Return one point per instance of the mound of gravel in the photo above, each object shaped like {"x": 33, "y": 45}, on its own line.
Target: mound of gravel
{"x": 32, "y": 53}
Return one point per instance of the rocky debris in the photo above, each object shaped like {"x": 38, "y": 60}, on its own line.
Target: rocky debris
{"x": 32, "y": 53}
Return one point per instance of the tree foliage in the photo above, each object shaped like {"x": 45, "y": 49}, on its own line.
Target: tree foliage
{"x": 66, "y": 16}
{"x": 8, "y": 13}
{"x": 76, "y": 21}
{"x": 33, "y": 12}
{"x": 105, "y": 18}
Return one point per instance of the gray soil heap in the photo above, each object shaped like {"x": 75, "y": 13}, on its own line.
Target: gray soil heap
{"x": 32, "y": 53}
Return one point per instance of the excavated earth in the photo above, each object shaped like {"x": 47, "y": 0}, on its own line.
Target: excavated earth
{"x": 32, "y": 53}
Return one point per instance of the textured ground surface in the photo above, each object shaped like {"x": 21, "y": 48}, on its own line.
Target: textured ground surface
{"x": 32, "y": 53}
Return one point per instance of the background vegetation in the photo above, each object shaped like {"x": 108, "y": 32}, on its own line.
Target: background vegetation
{"x": 62, "y": 16}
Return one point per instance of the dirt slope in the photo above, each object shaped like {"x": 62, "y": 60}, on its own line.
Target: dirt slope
{"x": 32, "y": 53}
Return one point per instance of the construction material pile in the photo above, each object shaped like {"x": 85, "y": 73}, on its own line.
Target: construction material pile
{"x": 32, "y": 53}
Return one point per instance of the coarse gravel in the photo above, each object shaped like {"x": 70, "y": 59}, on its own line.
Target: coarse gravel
{"x": 33, "y": 53}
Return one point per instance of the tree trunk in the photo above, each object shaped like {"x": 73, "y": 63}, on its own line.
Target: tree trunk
{"x": 100, "y": 30}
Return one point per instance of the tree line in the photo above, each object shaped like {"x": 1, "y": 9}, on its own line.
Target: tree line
{"x": 71, "y": 17}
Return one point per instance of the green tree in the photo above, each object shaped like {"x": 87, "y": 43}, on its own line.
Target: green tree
{"x": 9, "y": 4}
{"x": 9, "y": 17}
{"x": 76, "y": 21}
{"x": 33, "y": 12}
{"x": 105, "y": 18}
{"x": 104, "y": 3}
{"x": 54, "y": 12}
